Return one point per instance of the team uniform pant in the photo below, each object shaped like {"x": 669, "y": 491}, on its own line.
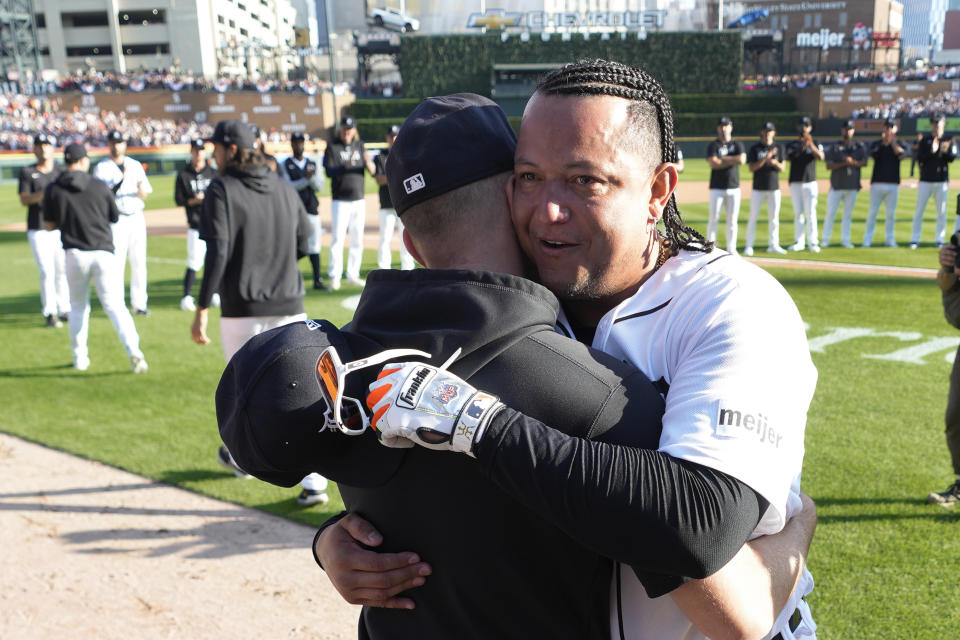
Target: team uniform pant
{"x": 49, "y": 256}
{"x": 234, "y": 332}
{"x": 196, "y": 251}
{"x": 104, "y": 269}
{"x": 953, "y": 416}
{"x": 388, "y": 217}
{"x": 804, "y": 197}
{"x": 729, "y": 199}
{"x": 130, "y": 238}
{"x": 834, "y": 197}
{"x": 886, "y": 193}
{"x": 939, "y": 191}
{"x": 348, "y": 217}
{"x": 772, "y": 198}
{"x": 316, "y": 234}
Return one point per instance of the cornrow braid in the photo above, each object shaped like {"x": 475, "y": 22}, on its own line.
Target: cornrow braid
{"x": 608, "y": 78}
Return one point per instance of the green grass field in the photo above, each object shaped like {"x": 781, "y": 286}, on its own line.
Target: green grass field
{"x": 885, "y": 562}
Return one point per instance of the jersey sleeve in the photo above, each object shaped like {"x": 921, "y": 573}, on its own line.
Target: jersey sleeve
{"x": 752, "y": 154}
{"x": 180, "y": 194}
{"x": 740, "y": 386}
{"x": 25, "y": 181}
{"x": 712, "y": 150}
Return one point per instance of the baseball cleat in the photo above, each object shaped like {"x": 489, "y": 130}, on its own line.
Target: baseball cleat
{"x": 913, "y": 245}
{"x": 141, "y": 312}
{"x": 187, "y": 303}
{"x": 225, "y": 459}
{"x": 946, "y": 498}
{"x": 815, "y": 248}
{"x": 748, "y": 251}
{"x": 138, "y": 365}
{"x": 81, "y": 364}
{"x": 310, "y": 497}
{"x": 54, "y": 322}
{"x": 776, "y": 249}
{"x": 357, "y": 282}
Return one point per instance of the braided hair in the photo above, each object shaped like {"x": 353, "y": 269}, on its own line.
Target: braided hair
{"x": 609, "y": 78}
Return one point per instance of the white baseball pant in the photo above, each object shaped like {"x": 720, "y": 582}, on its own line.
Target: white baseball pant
{"x": 104, "y": 269}
{"x": 388, "y": 217}
{"x": 834, "y": 197}
{"x": 234, "y": 332}
{"x": 804, "y": 197}
{"x": 887, "y": 193}
{"x": 729, "y": 199}
{"x": 939, "y": 191}
{"x": 196, "y": 251}
{"x": 348, "y": 217}
{"x": 130, "y": 237}
{"x": 772, "y": 199}
{"x": 49, "y": 256}
{"x": 316, "y": 234}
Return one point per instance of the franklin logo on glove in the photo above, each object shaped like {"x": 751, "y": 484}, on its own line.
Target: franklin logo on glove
{"x": 408, "y": 396}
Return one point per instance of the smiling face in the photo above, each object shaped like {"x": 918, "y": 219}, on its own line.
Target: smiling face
{"x": 585, "y": 199}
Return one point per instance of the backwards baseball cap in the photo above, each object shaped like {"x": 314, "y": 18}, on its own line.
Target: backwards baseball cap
{"x": 272, "y": 413}
{"x": 116, "y": 136}
{"x": 74, "y": 152}
{"x": 198, "y": 143}
{"x": 393, "y": 130}
{"x": 233, "y": 132}
{"x": 297, "y": 135}
{"x": 723, "y": 121}
{"x": 768, "y": 126}
{"x": 43, "y": 138}
{"x": 805, "y": 121}
{"x": 847, "y": 124}
{"x": 446, "y": 143}
{"x": 348, "y": 122}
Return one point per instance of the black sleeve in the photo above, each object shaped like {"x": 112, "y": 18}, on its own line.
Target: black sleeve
{"x": 214, "y": 230}
{"x": 661, "y": 515}
{"x": 26, "y": 182}
{"x": 180, "y": 195}
{"x": 51, "y": 208}
{"x": 331, "y": 165}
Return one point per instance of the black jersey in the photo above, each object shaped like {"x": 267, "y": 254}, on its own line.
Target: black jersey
{"x": 380, "y": 162}
{"x": 766, "y": 178}
{"x": 729, "y": 177}
{"x": 296, "y": 175}
{"x": 886, "y": 162}
{"x": 32, "y": 180}
{"x": 846, "y": 177}
{"x": 83, "y": 208}
{"x": 344, "y": 165}
{"x": 191, "y": 183}
{"x": 803, "y": 164}
{"x": 933, "y": 164}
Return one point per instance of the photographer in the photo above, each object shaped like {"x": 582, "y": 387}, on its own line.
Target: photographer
{"x": 949, "y": 280}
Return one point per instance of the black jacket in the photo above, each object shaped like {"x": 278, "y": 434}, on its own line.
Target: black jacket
{"x": 345, "y": 164}
{"x": 83, "y": 209}
{"x": 557, "y": 505}
{"x": 255, "y": 228}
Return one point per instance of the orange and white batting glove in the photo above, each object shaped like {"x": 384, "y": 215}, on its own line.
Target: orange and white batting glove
{"x": 413, "y": 402}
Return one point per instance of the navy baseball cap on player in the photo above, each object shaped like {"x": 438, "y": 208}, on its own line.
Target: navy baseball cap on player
{"x": 198, "y": 144}
{"x": 74, "y": 152}
{"x": 43, "y": 138}
{"x": 805, "y": 121}
{"x": 116, "y": 136}
{"x": 271, "y": 412}
{"x": 233, "y": 132}
{"x": 448, "y": 142}
{"x": 848, "y": 124}
{"x": 394, "y": 130}
{"x": 768, "y": 126}
{"x": 724, "y": 121}
{"x": 348, "y": 122}
{"x": 889, "y": 122}
{"x": 937, "y": 117}
{"x": 297, "y": 135}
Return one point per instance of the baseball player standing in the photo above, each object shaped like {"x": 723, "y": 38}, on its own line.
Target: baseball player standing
{"x": 844, "y": 160}
{"x": 84, "y": 211}
{"x": 388, "y": 215}
{"x": 765, "y": 160}
{"x": 45, "y": 243}
{"x": 934, "y": 153}
{"x": 725, "y": 155}
{"x": 344, "y": 161}
{"x": 803, "y": 154}
{"x": 301, "y": 173}
{"x": 188, "y": 190}
{"x": 128, "y": 181}
{"x": 884, "y": 182}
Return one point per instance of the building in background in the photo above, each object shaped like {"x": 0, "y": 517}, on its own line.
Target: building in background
{"x": 204, "y": 37}
{"x": 923, "y": 25}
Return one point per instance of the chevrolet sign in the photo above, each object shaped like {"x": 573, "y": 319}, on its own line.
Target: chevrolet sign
{"x": 538, "y": 20}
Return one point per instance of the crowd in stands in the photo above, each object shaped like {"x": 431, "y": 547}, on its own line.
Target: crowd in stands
{"x": 946, "y": 103}
{"x": 22, "y": 117}
{"x": 801, "y": 80}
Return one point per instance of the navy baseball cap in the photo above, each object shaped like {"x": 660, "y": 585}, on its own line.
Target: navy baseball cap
{"x": 937, "y": 117}
{"x": 297, "y": 135}
{"x": 768, "y": 126}
{"x": 723, "y": 121}
{"x": 271, "y": 412}
{"x": 74, "y": 152}
{"x": 116, "y": 136}
{"x": 198, "y": 143}
{"x": 393, "y": 130}
{"x": 889, "y": 122}
{"x": 348, "y": 122}
{"x": 43, "y": 138}
{"x": 233, "y": 132}
{"x": 446, "y": 143}
{"x": 848, "y": 124}
{"x": 805, "y": 121}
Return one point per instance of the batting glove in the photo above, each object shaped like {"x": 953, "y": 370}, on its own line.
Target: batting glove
{"x": 418, "y": 403}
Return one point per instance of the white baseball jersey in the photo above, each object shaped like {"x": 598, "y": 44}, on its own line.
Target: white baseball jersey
{"x": 729, "y": 341}
{"x": 130, "y": 177}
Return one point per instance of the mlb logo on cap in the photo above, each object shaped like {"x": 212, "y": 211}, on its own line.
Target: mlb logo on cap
{"x": 414, "y": 183}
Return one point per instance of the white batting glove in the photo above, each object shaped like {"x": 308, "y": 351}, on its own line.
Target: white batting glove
{"x": 413, "y": 402}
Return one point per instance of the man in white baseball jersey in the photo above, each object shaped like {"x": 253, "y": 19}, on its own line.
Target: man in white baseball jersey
{"x": 128, "y": 181}
{"x": 765, "y": 159}
{"x": 844, "y": 160}
{"x": 934, "y": 153}
{"x": 884, "y": 182}
{"x": 388, "y": 215}
{"x": 45, "y": 243}
{"x": 83, "y": 209}
{"x": 700, "y": 324}
{"x": 725, "y": 155}
{"x": 803, "y": 154}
